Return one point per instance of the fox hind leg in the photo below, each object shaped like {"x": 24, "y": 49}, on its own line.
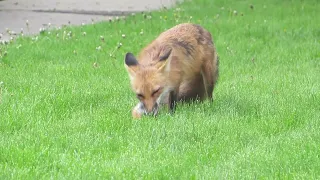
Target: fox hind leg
{"x": 210, "y": 74}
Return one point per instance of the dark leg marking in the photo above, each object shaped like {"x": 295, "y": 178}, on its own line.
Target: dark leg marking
{"x": 172, "y": 101}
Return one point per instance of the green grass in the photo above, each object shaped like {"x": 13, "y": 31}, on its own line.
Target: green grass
{"x": 65, "y": 107}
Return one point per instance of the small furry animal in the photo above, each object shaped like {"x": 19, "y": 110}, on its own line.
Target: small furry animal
{"x": 181, "y": 64}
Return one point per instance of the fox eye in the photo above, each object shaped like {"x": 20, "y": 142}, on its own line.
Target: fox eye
{"x": 140, "y": 96}
{"x": 156, "y": 91}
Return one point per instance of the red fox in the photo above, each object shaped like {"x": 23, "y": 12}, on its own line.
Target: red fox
{"x": 181, "y": 64}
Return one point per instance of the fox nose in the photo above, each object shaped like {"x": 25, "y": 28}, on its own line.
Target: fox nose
{"x": 153, "y": 109}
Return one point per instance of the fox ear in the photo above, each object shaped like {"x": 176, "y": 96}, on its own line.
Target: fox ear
{"x": 165, "y": 54}
{"x": 163, "y": 59}
{"x": 131, "y": 64}
{"x": 130, "y": 60}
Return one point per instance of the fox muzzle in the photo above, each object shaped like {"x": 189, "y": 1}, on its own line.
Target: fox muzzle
{"x": 151, "y": 111}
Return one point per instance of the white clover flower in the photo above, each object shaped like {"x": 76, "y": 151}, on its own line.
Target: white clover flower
{"x": 5, "y": 42}
{"x": 35, "y": 38}
{"x": 84, "y": 33}
{"x": 13, "y": 33}
{"x": 98, "y": 48}
{"x": 123, "y": 35}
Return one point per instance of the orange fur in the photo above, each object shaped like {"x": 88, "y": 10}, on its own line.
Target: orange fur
{"x": 181, "y": 64}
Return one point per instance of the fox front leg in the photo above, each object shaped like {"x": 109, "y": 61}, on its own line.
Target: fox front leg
{"x": 173, "y": 97}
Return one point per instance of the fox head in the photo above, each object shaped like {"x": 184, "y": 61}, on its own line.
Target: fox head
{"x": 149, "y": 82}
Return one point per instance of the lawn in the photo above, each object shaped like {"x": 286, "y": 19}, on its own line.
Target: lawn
{"x": 65, "y": 99}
